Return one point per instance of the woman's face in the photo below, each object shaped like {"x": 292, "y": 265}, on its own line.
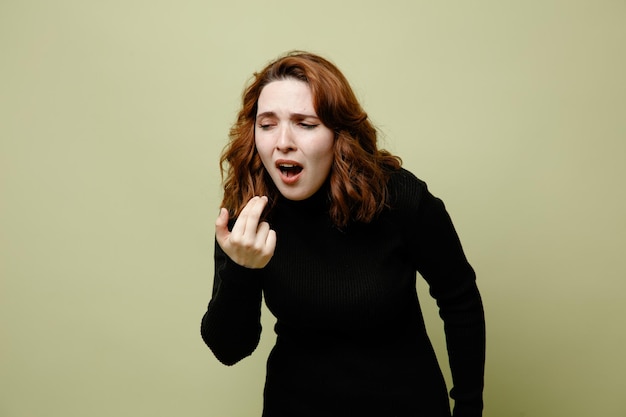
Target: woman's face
{"x": 295, "y": 147}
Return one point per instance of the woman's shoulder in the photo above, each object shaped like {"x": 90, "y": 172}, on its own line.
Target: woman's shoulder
{"x": 403, "y": 174}
{"x": 405, "y": 188}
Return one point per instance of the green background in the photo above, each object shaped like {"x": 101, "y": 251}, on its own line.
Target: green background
{"x": 112, "y": 117}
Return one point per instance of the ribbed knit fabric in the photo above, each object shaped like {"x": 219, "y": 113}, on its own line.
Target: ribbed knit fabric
{"x": 351, "y": 339}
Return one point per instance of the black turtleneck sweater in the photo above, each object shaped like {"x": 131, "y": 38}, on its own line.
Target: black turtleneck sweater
{"x": 351, "y": 339}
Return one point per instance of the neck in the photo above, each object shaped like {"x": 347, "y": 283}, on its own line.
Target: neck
{"x": 317, "y": 203}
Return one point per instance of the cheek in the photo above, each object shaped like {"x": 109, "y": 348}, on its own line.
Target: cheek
{"x": 262, "y": 149}
{"x": 328, "y": 156}
{"x": 324, "y": 157}
{"x": 327, "y": 150}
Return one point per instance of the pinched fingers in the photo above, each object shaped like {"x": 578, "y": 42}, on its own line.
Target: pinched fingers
{"x": 251, "y": 243}
{"x": 264, "y": 244}
{"x": 245, "y": 228}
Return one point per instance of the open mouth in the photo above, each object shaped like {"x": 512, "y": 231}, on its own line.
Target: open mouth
{"x": 289, "y": 170}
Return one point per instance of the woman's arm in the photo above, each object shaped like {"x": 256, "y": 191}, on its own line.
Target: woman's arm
{"x": 231, "y": 326}
{"x": 452, "y": 281}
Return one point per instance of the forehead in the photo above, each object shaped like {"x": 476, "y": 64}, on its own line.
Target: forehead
{"x": 287, "y": 95}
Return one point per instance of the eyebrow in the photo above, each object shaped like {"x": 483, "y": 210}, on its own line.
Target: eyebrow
{"x": 297, "y": 116}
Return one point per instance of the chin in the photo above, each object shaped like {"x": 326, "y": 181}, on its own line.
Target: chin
{"x": 294, "y": 195}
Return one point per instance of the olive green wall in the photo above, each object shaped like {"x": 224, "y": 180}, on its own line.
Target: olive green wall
{"x": 112, "y": 116}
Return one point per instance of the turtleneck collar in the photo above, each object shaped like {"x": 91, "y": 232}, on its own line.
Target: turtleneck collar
{"x": 317, "y": 203}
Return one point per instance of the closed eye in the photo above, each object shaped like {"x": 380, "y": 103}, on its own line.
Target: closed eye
{"x": 308, "y": 126}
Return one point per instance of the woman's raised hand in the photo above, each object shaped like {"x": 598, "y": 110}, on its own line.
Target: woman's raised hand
{"x": 250, "y": 243}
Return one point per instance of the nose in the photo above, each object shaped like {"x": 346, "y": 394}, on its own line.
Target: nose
{"x": 285, "y": 141}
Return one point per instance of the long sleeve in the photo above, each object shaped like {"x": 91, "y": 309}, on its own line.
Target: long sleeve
{"x": 452, "y": 282}
{"x": 231, "y": 326}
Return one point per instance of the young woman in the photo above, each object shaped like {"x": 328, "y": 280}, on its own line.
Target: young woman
{"x": 332, "y": 231}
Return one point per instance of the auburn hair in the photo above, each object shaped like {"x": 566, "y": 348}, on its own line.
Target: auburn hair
{"x": 359, "y": 173}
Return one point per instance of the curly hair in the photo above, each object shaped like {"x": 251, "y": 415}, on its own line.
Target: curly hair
{"x": 359, "y": 174}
